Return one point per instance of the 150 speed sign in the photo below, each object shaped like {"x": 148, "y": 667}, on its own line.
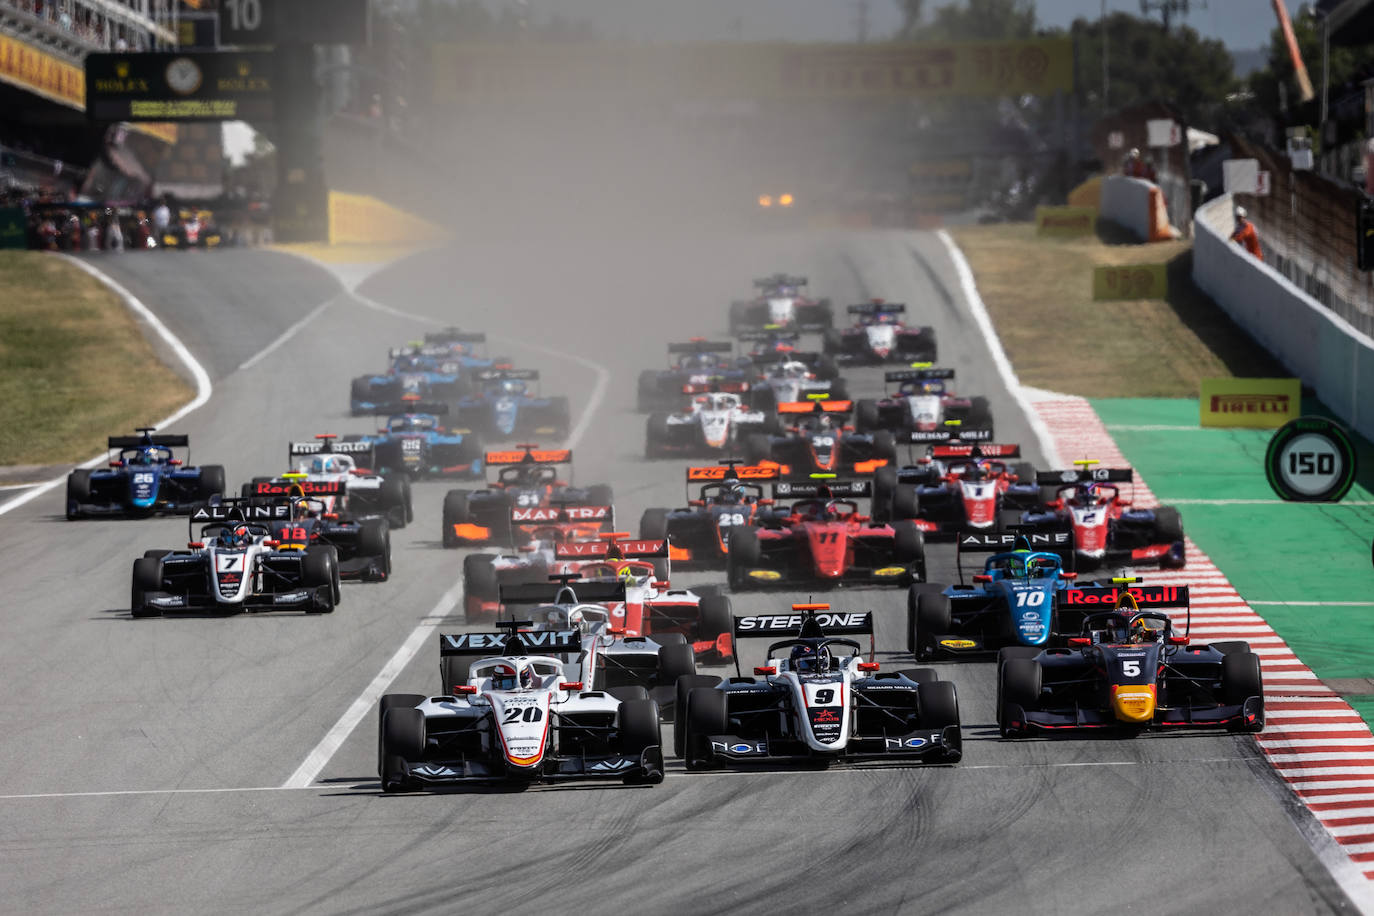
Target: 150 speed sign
{"x": 1310, "y": 459}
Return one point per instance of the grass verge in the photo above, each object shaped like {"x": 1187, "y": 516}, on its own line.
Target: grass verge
{"x": 1038, "y": 291}
{"x": 74, "y": 364}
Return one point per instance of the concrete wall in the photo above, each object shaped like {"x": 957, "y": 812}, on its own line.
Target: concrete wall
{"x": 1126, "y": 202}
{"x": 1313, "y": 342}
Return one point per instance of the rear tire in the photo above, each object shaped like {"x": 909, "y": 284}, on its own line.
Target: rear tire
{"x": 744, "y": 555}
{"x": 480, "y": 581}
{"x": 638, "y": 727}
{"x": 714, "y": 616}
{"x": 392, "y": 701}
{"x": 884, "y": 486}
{"x": 653, "y": 525}
{"x": 707, "y": 714}
{"x": 655, "y": 435}
{"x": 757, "y": 447}
{"x": 909, "y": 547}
{"x": 320, "y": 567}
{"x": 931, "y": 616}
{"x": 374, "y": 540}
{"x": 78, "y": 492}
{"x": 1019, "y": 683}
{"x": 675, "y": 661}
{"x": 394, "y": 501}
{"x": 211, "y": 482}
{"x": 939, "y": 704}
{"x": 456, "y": 512}
{"x": 866, "y": 417}
{"x": 147, "y": 577}
{"x": 906, "y": 502}
{"x": 403, "y": 738}
{"x": 885, "y": 446}
{"x": 1241, "y": 678}
{"x": 684, "y": 686}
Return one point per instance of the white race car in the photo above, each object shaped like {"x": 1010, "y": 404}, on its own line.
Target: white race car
{"x": 792, "y": 380}
{"x": 713, "y": 422}
{"x": 515, "y": 718}
{"x": 328, "y": 470}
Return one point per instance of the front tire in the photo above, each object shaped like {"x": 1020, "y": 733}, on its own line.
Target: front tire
{"x": 744, "y": 555}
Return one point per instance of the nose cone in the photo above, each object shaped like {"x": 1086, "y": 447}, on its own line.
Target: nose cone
{"x": 1134, "y": 704}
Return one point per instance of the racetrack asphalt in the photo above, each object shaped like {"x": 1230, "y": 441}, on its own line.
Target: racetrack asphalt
{"x": 145, "y": 759}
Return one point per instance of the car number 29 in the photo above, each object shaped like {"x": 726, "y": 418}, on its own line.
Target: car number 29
{"x": 726, "y": 519}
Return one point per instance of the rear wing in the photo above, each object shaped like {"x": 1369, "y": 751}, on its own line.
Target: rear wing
{"x": 702, "y": 346}
{"x": 1104, "y": 597}
{"x": 815, "y": 406}
{"x": 167, "y": 441}
{"x": 813, "y": 490}
{"x": 621, "y": 550}
{"x": 918, "y": 375}
{"x": 736, "y": 472}
{"x": 550, "y": 592}
{"x": 983, "y": 542}
{"x": 286, "y": 487}
{"x": 330, "y": 446}
{"x": 453, "y": 335}
{"x": 236, "y": 509}
{"x": 499, "y": 375}
{"x": 878, "y": 308}
{"x": 765, "y": 336}
{"x": 953, "y": 433}
{"x": 984, "y": 451}
{"x": 438, "y": 408}
{"x": 529, "y": 456}
{"x": 808, "y": 357}
{"x": 831, "y": 623}
{"x": 524, "y": 642}
{"x": 1084, "y": 475}
{"x": 552, "y": 515}
{"x": 779, "y": 280}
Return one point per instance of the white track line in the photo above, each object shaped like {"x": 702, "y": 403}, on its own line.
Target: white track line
{"x": 286, "y": 335}
{"x": 999, "y": 356}
{"x": 329, "y": 745}
{"x": 1350, "y": 503}
{"x": 198, "y": 373}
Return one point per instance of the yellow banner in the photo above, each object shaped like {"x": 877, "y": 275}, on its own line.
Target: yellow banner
{"x": 1137, "y": 281}
{"x": 465, "y": 73}
{"x": 1065, "y": 220}
{"x": 25, "y": 66}
{"x": 355, "y": 219}
{"x": 1258, "y": 403}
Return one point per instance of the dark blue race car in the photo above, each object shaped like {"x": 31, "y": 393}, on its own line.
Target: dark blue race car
{"x": 439, "y": 368}
{"x": 694, "y": 367}
{"x": 503, "y": 407}
{"x": 417, "y": 444}
{"x": 1017, "y": 600}
{"x": 146, "y": 478}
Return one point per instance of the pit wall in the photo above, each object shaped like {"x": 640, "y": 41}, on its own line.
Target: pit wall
{"x": 1313, "y": 342}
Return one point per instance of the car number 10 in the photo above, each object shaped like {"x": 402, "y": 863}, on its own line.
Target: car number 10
{"x": 1030, "y": 599}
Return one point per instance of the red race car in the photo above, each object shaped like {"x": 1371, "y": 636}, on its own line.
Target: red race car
{"x": 819, "y": 441}
{"x": 824, "y": 540}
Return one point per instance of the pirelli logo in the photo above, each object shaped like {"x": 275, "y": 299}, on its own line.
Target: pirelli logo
{"x": 1250, "y": 403}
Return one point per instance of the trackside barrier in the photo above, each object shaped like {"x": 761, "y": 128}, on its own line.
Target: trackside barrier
{"x": 1313, "y": 342}
{"x": 356, "y": 219}
{"x": 1137, "y": 205}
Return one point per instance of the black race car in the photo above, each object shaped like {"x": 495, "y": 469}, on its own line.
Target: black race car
{"x": 699, "y": 533}
{"x": 146, "y": 478}
{"x": 820, "y": 442}
{"x": 362, "y": 545}
{"x": 700, "y": 366}
{"x": 782, "y": 304}
{"x": 878, "y": 336}
{"x": 923, "y": 401}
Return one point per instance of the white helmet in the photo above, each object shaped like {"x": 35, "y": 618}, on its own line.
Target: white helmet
{"x": 1240, "y": 213}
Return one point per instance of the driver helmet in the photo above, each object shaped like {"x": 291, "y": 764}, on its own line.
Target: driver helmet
{"x": 503, "y": 677}
{"x": 144, "y": 456}
{"x": 234, "y": 537}
{"x": 700, "y": 361}
{"x": 932, "y": 387}
{"x": 824, "y": 423}
{"x": 731, "y": 495}
{"x": 974, "y": 471}
{"x": 1145, "y": 629}
{"x": 512, "y": 386}
{"x": 628, "y": 574}
{"x": 1086, "y": 494}
{"x": 320, "y": 464}
{"x": 808, "y": 659}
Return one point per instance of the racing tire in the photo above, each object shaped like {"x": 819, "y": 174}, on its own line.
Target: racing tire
{"x": 157, "y": 553}
{"x": 1018, "y": 683}
{"x": 980, "y": 412}
{"x": 675, "y": 661}
{"x": 393, "y": 498}
{"x": 453, "y": 672}
{"x": 479, "y": 578}
{"x": 602, "y": 495}
{"x": 403, "y": 734}
{"x": 655, "y": 435}
{"x": 906, "y": 502}
{"x": 562, "y": 417}
{"x": 714, "y": 616}
{"x": 626, "y": 693}
{"x": 832, "y": 343}
{"x": 647, "y": 391}
{"x": 757, "y": 447}
{"x": 320, "y": 567}
{"x": 1241, "y": 677}
{"x": 639, "y": 729}
{"x": 392, "y": 701}
{"x": 78, "y": 492}
{"x": 653, "y": 525}
{"x": 744, "y": 555}
{"x": 670, "y": 639}
{"x": 1169, "y": 530}
{"x": 920, "y": 675}
{"x": 374, "y": 540}
{"x": 839, "y": 390}
{"x": 929, "y": 347}
{"x": 764, "y": 399}
{"x": 684, "y": 686}
{"x": 470, "y": 451}
{"x": 909, "y": 546}
{"x": 1231, "y": 646}
{"x": 360, "y": 390}
{"x": 706, "y": 714}
{"x": 929, "y": 614}
{"x": 884, "y": 485}
{"x": 939, "y": 704}
{"x": 1025, "y": 473}
{"x": 1006, "y": 653}
{"x": 456, "y": 512}
{"x": 885, "y": 446}
{"x": 147, "y": 577}
{"x": 867, "y": 417}
{"x": 211, "y": 481}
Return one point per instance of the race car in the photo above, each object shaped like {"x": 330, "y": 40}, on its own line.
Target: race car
{"x": 503, "y": 406}
{"x": 782, "y": 303}
{"x": 333, "y": 475}
{"x": 362, "y": 546}
{"x": 515, "y": 719}
{"x": 713, "y": 422}
{"x": 145, "y": 478}
{"x": 424, "y": 372}
{"x": 820, "y": 442}
{"x": 1128, "y": 670}
{"x": 816, "y": 698}
{"x": 1107, "y": 531}
{"x": 958, "y": 487}
{"x": 699, "y": 533}
{"x": 527, "y": 479}
{"x": 824, "y": 541}
{"x": 235, "y": 565}
{"x": 193, "y": 229}
{"x": 776, "y": 343}
{"x": 794, "y": 377}
{"x": 1016, "y": 600}
{"x": 416, "y": 444}
{"x": 628, "y": 665}
{"x": 701, "y": 366}
{"x": 922, "y": 402}
{"x": 879, "y": 336}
